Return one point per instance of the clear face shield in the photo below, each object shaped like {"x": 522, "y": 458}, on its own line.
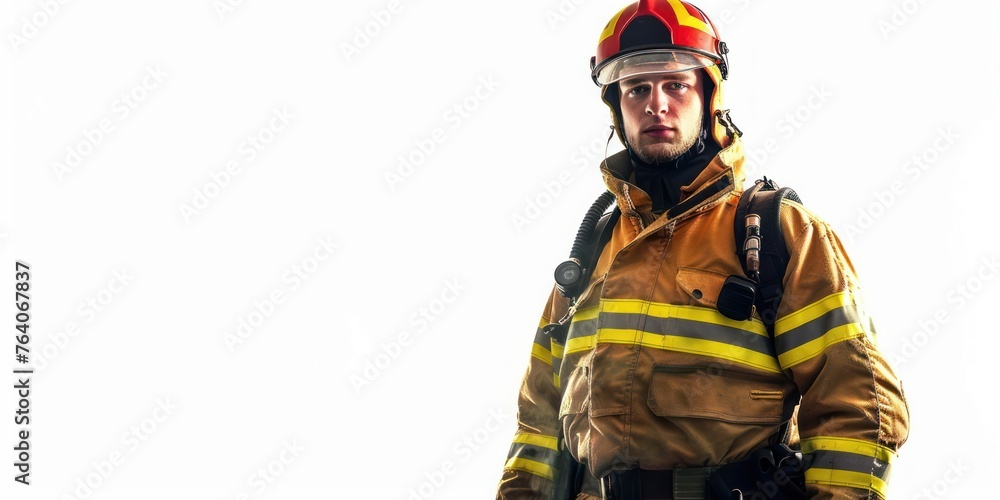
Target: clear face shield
{"x": 650, "y": 62}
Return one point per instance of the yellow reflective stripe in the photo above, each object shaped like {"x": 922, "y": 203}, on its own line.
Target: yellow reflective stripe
{"x": 705, "y": 315}
{"x": 613, "y": 336}
{"x": 536, "y": 468}
{"x": 853, "y": 446}
{"x": 624, "y": 305}
{"x": 693, "y": 313}
{"x": 835, "y": 477}
{"x": 577, "y": 344}
{"x": 557, "y": 349}
{"x": 813, "y": 348}
{"x": 555, "y": 380}
{"x": 541, "y": 353}
{"x": 848, "y": 445}
{"x": 685, "y": 19}
{"x": 812, "y": 311}
{"x": 542, "y": 322}
{"x": 585, "y": 343}
{"x": 679, "y": 343}
{"x": 541, "y": 440}
{"x": 585, "y": 314}
{"x": 691, "y": 346}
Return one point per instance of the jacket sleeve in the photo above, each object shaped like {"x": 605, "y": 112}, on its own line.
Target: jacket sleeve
{"x": 531, "y": 468}
{"x": 853, "y": 415}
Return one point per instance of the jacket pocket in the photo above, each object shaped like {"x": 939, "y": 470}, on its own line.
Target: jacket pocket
{"x": 576, "y": 397}
{"x": 702, "y": 286}
{"x": 574, "y": 412}
{"x": 716, "y": 393}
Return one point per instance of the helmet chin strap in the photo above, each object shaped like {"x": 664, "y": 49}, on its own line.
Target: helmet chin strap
{"x": 608, "y": 143}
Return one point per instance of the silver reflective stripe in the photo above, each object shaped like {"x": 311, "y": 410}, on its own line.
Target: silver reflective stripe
{"x": 840, "y": 460}
{"x": 816, "y": 328}
{"x": 690, "y": 329}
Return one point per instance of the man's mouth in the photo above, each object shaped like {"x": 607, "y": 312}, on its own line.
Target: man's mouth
{"x": 659, "y": 131}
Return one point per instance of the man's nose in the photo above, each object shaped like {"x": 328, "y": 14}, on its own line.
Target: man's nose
{"x": 658, "y": 102}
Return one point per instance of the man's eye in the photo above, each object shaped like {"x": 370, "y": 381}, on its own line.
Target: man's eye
{"x": 676, "y": 86}
{"x": 638, "y": 90}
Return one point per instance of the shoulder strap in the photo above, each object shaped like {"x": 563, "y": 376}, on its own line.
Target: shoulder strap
{"x": 605, "y": 228}
{"x": 764, "y": 200}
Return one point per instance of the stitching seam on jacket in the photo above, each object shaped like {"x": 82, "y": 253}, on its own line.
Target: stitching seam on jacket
{"x": 879, "y": 439}
{"x": 633, "y": 213}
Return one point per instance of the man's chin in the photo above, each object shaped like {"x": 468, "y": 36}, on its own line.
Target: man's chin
{"x": 659, "y": 153}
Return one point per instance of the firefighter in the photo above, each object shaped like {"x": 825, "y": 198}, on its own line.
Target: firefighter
{"x": 651, "y": 392}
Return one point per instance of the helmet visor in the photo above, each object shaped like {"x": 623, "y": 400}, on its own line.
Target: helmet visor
{"x": 649, "y": 62}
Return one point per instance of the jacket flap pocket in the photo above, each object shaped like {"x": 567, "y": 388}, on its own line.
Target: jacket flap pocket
{"x": 703, "y": 286}
{"x": 716, "y": 393}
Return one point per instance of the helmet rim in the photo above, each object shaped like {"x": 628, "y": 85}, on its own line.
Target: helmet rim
{"x": 672, "y": 59}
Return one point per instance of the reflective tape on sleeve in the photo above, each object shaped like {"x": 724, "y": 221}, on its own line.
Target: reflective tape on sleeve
{"x": 848, "y": 462}
{"x": 806, "y": 333}
{"x": 533, "y": 453}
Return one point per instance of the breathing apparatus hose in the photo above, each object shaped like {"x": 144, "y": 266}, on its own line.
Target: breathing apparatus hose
{"x": 570, "y": 274}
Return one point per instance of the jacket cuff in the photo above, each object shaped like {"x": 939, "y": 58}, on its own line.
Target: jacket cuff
{"x": 848, "y": 462}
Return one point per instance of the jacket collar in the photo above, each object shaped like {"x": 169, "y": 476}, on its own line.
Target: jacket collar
{"x": 723, "y": 175}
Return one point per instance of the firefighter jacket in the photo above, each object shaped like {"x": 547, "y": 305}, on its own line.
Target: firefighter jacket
{"x": 652, "y": 376}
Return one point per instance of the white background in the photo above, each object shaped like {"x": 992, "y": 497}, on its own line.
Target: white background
{"x": 894, "y": 76}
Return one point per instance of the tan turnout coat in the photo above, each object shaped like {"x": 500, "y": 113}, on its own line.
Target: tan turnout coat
{"x": 651, "y": 375}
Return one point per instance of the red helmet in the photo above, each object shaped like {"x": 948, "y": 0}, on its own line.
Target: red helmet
{"x": 660, "y": 36}
{"x": 656, "y": 36}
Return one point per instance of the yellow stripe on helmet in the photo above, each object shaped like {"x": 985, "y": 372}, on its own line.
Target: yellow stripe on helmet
{"x": 610, "y": 28}
{"x": 685, "y": 19}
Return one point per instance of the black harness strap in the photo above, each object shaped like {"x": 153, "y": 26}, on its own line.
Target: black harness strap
{"x": 764, "y": 199}
{"x": 605, "y": 228}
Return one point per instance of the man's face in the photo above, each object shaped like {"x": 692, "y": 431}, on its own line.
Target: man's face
{"x": 662, "y": 113}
